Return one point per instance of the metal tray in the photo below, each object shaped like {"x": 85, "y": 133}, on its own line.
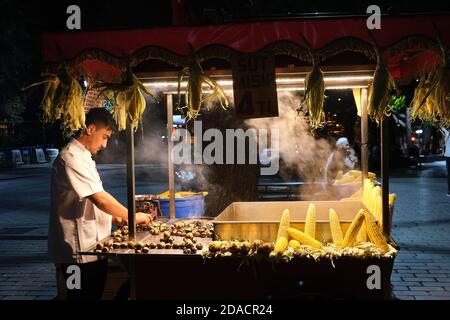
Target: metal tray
{"x": 260, "y": 220}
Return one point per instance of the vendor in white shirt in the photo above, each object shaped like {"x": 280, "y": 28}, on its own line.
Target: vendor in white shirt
{"x": 82, "y": 212}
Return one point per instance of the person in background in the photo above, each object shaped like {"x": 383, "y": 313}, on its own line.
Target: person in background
{"x": 82, "y": 212}
{"x": 446, "y": 134}
{"x": 343, "y": 159}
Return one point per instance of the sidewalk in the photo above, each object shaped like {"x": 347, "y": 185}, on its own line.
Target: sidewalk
{"x": 421, "y": 228}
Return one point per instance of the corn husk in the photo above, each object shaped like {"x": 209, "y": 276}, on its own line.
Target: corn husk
{"x": 129, "y": 99}
{"x": 314, "y": 97}
{"x": 431, "y": 101}
{"x": 380, "y": 91}
{"x": 196, "y": 78}
{"x": 427, "y": 111}
{"x": 314, "y": 91}
{"x": 63, "y": 100}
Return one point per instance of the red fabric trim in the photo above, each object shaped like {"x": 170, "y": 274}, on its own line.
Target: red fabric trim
{"x": 246, "y": 37}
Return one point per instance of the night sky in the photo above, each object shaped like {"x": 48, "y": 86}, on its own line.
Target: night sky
{"x": 22, "y": 23}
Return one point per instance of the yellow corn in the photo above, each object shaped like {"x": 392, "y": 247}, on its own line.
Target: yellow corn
{"x": 280, "y": 245}
{"x": 378, "y": 208}
{"x": 375, "y": 191}
{"x": 353, "y": 229}
{"x": 284, "y": 224}
{"x": 392, "y": 198}
{"x": 374, "y": 232}
{"x": 303, "y": 238}
{"x": 310, "y": 224}
{"x": 294, "y": 244}
{"x": 336, "y": 230}
{"x": 367, "y": 192}
{"x": 346, "y": 180}
{"x": 362, "y": 234}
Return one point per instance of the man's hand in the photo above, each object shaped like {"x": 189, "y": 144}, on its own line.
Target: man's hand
{"x": 143, "y": 218}
{"x": 119, "y": 221}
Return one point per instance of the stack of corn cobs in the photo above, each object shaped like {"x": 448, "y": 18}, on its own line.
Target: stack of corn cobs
{"x": 63, "y": 100}
{"x": 364, "y": 227}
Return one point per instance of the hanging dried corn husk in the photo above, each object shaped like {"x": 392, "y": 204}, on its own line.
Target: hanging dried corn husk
{"x": 432, "y": 96}
{"x": 194, "y": 90}
{"x": 128, "y": 97}
{"x": 426, "y": 112}
{"x": 314, "y": 92}
{"x": 63, "y": 100}
{"x": 380, "y": 90}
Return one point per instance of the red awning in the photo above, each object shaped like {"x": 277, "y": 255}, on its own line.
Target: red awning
{"x": 398, "y": 35}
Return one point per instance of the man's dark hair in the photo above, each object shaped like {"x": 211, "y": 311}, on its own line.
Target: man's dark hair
{"x": 101, "y": 116}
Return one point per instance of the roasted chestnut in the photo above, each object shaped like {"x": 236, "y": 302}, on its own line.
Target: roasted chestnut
{"x": 152, "y": 245}
{"x": 161, "y": 245}
{"x": 145, "y": 250}
{"x": 214, "y": 246}
{"x": 199, "y": 246}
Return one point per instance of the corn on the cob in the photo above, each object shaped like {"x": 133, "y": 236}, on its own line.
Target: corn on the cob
{"x": 380, "y": 90}
{"x": 353, "y": 229}
{"x": 284, "y": 224}
{"x": 194, "y": 91}
{"x": 303, "y": 238}
{"x": 362, "y": 234}
{"x": 392, "y": 197}
{"x": 359, "y": 173}
{"x": 432, "y": 99}
{"x": 280, "y": 245}
{"x": 314, "y": 91}
{"x": 294, "y": 244}
{"x": 129, "y": 100}
{"x": 336, "y": 230}
{"x": 310, "y": 224}
{"x": 375, "y": 191}
{"x": 378, "y": 208}
{"x": 367, "y": 192}
{"x": 347, "y": 180}
{"x": 374, "y": 232}
{"x": 63, "y": 100}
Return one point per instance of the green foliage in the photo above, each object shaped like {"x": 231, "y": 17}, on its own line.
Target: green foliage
{"x": 398, "y": 103}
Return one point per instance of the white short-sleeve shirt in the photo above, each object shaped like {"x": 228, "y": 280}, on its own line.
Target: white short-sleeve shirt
{"x": 75, "y": 222}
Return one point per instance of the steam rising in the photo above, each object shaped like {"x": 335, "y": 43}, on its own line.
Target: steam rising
{"x": 299, "y": 150}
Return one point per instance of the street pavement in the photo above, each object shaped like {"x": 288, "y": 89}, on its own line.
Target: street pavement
{"x": 421, "y": 227}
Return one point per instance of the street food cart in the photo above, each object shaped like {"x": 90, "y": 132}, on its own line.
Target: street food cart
{"x": 213, "y": 269}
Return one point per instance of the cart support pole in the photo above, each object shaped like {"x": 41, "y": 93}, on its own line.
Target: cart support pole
{"x": 364, "y": 135}
{"x": 170, "y": 156}
{"x": 130, "y": 180}
{"x": 131, "y": 202}
{"x": 385, "y": 176}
